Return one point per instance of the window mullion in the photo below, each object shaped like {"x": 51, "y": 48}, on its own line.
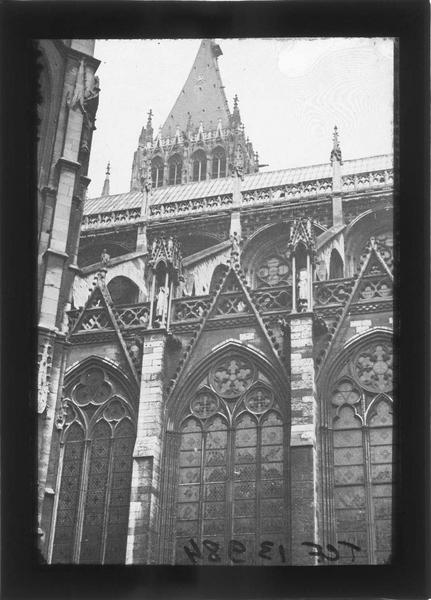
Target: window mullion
{"x": 107, "y": 499}
{"x": 202, "y": 487}
{"x": 230, "y": 487}
{"x": 56, "y": 500}
{"x": 258, "y": 483}
{"x": 82, "y": 501}
{"x": 369, "y": 495}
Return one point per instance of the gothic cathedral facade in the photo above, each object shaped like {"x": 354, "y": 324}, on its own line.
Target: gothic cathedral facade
{"x": 224, "y": 372}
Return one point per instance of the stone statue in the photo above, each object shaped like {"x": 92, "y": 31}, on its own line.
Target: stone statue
{"x": 162, "y": 300}
{"x": 105, "y": 258}
{"x": 181, "y": 288}
{"x": 236, "y": 244}
{"x": 170, "y": 245}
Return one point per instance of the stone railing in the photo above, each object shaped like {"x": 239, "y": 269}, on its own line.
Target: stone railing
{"x": 277, "y": 298}
{"x": 363, "y": 181}
{"x": 375, "y": 287}
{"x": 307, "y": 190}
{"x": 136, "y": 315}
{"x": 291, "y": 192}
{"x": 334, "y": 291}
{"x": 112, "y": 219}
{"x": 174, "y": 209}
{"x": 189, "y": 309}
{"x": 170, "y": 142}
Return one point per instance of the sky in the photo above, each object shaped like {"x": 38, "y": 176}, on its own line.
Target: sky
{"x": 291, "y": 94}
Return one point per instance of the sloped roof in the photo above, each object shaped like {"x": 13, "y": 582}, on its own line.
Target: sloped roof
{"x": 202, "y": 97}
{"x": 217, "y": 187}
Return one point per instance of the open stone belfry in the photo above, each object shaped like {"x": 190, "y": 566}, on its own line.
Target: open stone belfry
{"x": 224, "y": 393}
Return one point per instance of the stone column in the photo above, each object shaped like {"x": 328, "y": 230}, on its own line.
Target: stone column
{"x": 303, "y": 455}
{"x": 143, "y": 533}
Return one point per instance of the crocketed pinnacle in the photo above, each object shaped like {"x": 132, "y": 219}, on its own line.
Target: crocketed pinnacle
{"x": 105, "y": 190}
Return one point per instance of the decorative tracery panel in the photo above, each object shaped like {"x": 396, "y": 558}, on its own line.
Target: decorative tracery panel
{"x": 96, "y": 456}
{"x": 362, "y": 454}
{"x": 230, "y": 499}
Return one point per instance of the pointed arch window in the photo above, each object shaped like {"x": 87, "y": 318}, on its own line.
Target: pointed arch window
{"x": 199, "y": 166}
{"x": 231, "y": 468}
{"x": 336, "y": 265}
{"x": 219, "y": 163}
{"x": 363, "y": 455}
{"x": 92, "y": 507}
{"x": 157, "y": 171}
{"x": 175, "y": 168}
{"x": 123, "y": 290}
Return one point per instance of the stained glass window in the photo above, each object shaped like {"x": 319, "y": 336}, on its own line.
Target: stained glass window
{"x": 231, "y": 496}
{"x": 363, "y": 456}
{"x": 93, "y": 501}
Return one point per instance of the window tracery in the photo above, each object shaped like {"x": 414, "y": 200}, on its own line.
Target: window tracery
{"x": 219, "y": 163}
{"x": 231, "y": 466}
{"x": 175, "y": 167}
{"x": 361, "y": 433}
{"x": 274, "y": 268}
{"x": 93, "y": 500}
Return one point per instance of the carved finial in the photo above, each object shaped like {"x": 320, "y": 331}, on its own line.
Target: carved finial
{"x": 150, "y": 118}
{"x": 236, "y": 117}
{"x": 105, "y": 190}
{"x": 201, "y": 130}
{"x": 336, "y": 149}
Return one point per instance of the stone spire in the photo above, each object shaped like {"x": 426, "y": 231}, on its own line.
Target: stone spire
{"x": 202, "y": 97}
{"x": 105, "y": 191}
{"x": 336, "y": 149}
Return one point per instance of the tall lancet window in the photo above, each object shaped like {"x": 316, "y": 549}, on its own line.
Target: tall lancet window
{"x": 157, "y": 172}
{"x": 96, "y": 446}
{"x": 219, "y": 163}
{"x": 363, "y": 454}
{"x": 175, "y": 167}
{"x": 199, "y": 166}
{"x": 229, "y": 452}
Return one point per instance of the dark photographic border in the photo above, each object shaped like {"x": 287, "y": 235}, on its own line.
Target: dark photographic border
{"x": 23, "y": 576}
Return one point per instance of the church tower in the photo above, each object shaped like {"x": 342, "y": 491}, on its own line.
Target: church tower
{"x": 201, "y": 138}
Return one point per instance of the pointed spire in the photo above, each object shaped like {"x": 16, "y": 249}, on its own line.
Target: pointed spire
{"x": 203, "y": 89}
{"x": 236, "y": 117}
{"x": 105, "y": 190}
{"x": 336, "y": 149}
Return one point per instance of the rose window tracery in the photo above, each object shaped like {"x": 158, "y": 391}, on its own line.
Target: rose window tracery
{"x": 373, "y": 368}
{"x": 274, "y": 270}
{"x": 232, "y": 376}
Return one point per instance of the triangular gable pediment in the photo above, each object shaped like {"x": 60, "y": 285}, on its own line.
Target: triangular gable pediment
{"x": 97, "y": 315}
{"x": 232, "y": 310}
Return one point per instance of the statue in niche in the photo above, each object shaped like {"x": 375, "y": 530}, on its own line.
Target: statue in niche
{"x": 181, "y": 287}
{"x": 303, "y": 290}
{"x": 162, "y": 301}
